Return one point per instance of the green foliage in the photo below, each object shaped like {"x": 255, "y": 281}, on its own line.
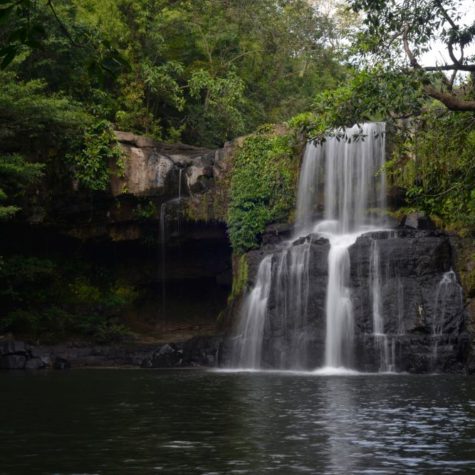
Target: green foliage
{"x": 52, "y": 297}
{"x": 15, "y": 176}
{"x": 101, "y": 153}
{"x": 434, "y": 163}
{"x": 207, "y": 70}
{"x": 223, "y": 103}
{"x": 28, "y": 24}
{"x": 37, "y": 124}
{"x": 424, "y": 22}
{"x": 368, "y": 95}
{"x": 397, "y": 34}
{"x": 145, "y": 210}
{"x": 240, "y": 276}
{"x": 262, "y": 187}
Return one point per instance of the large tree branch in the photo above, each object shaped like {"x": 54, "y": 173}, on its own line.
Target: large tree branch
{"x": 450, "y": 67}
{"x": 451, "y": 101}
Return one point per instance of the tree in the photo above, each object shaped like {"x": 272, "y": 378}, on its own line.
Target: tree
{"x": 15, "y": 176}
{"x": 398, "y": 29}
{"x": 28, "y": 24}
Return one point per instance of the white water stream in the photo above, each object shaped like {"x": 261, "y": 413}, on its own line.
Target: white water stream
{"x": 342, "y": 177}
{"x": 448, "y": 290}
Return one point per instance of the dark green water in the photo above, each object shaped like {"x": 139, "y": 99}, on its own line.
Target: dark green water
{"x": 187, "y": 422}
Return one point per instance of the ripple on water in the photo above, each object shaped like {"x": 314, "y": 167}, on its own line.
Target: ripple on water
{"x": 208, "y": 422}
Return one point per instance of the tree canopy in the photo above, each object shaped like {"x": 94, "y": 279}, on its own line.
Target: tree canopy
{"x": 398, "y": 33}
{"x": 202, "y": 72}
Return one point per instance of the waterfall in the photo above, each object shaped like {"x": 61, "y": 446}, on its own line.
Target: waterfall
{"x": 248, "y": 345}
{"x": 345, "y": 170}
{"x": 308, "y": 189}
{"x": 354, "y": 186}
{"x": 339, "y": 308}
{"x": 291, "y": 296}
{"x": 162, "y": 237}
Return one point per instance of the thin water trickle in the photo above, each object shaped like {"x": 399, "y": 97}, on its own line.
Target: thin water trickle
{"x": 163, "y": 255}
{"x": 448, "y": 290}
{"x": 385, "y": 348}
{"x": 180, "y": 172}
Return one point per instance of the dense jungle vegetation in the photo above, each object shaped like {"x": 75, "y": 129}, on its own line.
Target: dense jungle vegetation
{"x": 204, "y": 72}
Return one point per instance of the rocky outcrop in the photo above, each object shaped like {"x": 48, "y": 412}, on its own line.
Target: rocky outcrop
{"x": 425, "y": 324}
{"x": 422, "y": 304}
{"x": 187, "y": 183}
{"x": 200, "y": 351}
{"x": 19, "y": 355}
{"x": 417, "y": 220}
{"x": 153, "y": 168}
{"x": 465, "y": 265}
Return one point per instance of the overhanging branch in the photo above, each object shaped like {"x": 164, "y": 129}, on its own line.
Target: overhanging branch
{"x": 451, "y": 101}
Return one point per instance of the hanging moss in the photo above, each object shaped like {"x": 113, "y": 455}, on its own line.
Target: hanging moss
{"x": 263, "y": 185}
{"x": 240, "y": 276}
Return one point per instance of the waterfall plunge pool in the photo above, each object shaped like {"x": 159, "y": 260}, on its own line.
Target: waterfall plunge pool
{"x": 207, "y": 422}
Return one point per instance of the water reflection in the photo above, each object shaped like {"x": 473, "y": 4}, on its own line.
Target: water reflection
{"x": 251, "y": 423}
{"x": 338, "y": 411}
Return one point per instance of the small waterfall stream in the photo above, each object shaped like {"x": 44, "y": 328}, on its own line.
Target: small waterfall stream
{"x": 163, "y": 236}
{"x": 386, "y": 354}
{"x": 448, "y": 290}
{"x": 163, "y": 256}
{"x": 248, "y": 354}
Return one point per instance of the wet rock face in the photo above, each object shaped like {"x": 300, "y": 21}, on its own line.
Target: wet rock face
{"x": 295, "y": 332}
{"x": 19, "y": 355}
{"x": 181, "y": 181}
{"x": 199, "y": 351}
{"x": 423, "y": 320}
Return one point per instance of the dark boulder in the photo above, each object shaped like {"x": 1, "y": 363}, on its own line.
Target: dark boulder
{"x": 418, "y": 220}
{"x": 61, "y": 363}
{"x": 35, "y": 363}
{"x": 167, "y": 356}
{"x": 13, "y": 347}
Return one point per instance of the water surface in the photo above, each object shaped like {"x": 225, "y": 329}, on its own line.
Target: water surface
{"x": 197, "y": 422}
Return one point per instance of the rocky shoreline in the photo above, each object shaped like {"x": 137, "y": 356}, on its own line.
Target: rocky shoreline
{"x": 200, "y": 351}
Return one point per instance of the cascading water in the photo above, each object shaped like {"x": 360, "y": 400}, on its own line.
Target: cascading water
{"x": 344, "y": 169}
{"x": 339, "y": 308}
{"x": 352, "y": 187}
{"x": 248, "y": 348}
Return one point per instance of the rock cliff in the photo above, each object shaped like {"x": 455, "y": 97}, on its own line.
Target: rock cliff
{"x": 425, "y": 320}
